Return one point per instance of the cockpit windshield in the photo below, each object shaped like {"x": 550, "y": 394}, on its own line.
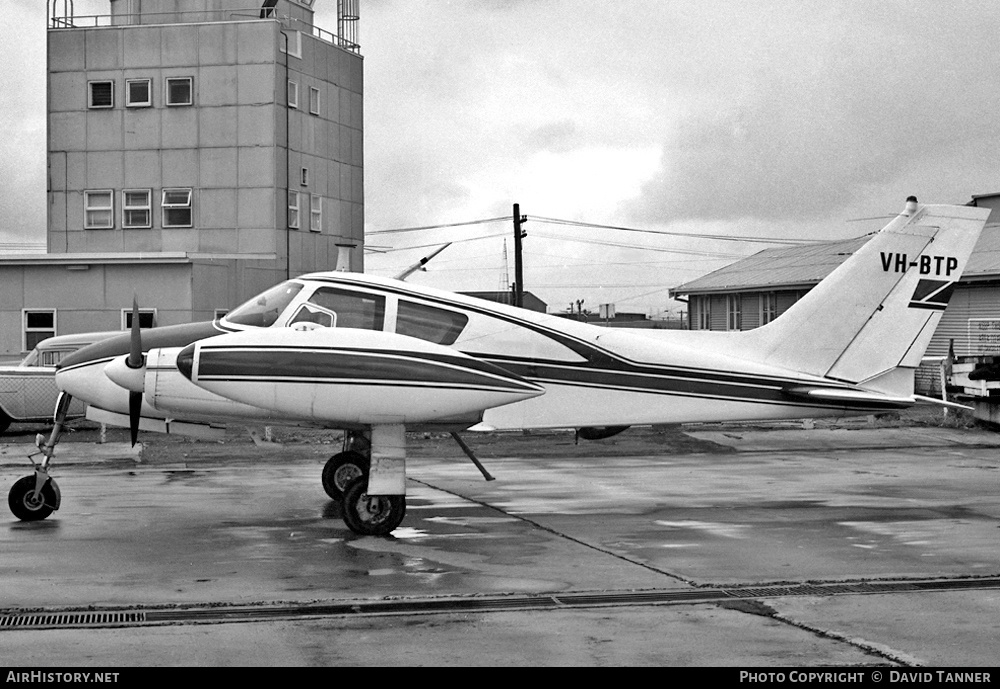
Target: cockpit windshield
{"x": 263, "y": 310}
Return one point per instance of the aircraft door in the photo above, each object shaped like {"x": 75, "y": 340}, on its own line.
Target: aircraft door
{"x": 332, "y": 307}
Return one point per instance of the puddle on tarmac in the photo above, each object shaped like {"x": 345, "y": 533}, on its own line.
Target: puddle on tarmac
{"x": 713, "y": 528}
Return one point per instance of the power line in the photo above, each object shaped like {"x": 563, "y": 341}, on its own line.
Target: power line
{"x": 622, "y": 245}
{"x": 453, "y": 241}
{"x": 720, "y": 237}
{"x": 438, "y": 227}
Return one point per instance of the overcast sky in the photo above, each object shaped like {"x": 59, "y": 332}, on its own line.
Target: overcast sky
{"x": 746, "y": 118}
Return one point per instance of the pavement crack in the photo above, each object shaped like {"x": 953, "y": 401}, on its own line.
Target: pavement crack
{"x": 564, "y": 536}
{"x": 868, "y": 647}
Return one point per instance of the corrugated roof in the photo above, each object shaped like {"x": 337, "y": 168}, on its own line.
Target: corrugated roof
{"x": 789, "y": 267}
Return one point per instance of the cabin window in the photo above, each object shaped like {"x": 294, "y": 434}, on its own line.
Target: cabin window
{"x": 429, "y": 323}
{"x": 343, "y": 309}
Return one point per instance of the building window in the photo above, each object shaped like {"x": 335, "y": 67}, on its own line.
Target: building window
{"x": 293, "y": 209}
{"x": 293, "y": 94}
{"x": 39, "y": 324}
{"x": 292, "y": 43}
{"x": 316, "y": 213}
{"x": 179, "y": 90}
{"x": 735, "y": 312}
{"x": 314, "y": 100}
{"x": 176, "y": 205}
{"x": 305, "y": 177}
{"x": 703, "y": 313}
{"x": 147, "y": 318}
{"x": 138, "y": 93}
{"x": 137, "y": 210}
{"x": 768, "y": 307}
{"x": 100, "y": 94}
{"x": 98, "y": 210}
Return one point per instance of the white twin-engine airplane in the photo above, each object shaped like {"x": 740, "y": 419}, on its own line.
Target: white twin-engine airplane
{"x": 377, "y": 357}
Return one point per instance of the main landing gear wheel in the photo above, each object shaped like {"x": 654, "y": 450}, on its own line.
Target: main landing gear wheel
{"x": 340, "y": 470}
{"x": 25, "y": 505}
{"x": 371, "y": 515}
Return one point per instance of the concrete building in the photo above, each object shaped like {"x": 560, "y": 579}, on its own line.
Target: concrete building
{"x": 199, "y": 151}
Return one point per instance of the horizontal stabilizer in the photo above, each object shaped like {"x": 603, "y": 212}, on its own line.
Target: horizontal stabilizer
{"x": 942, "y": 403}
{"x": 848, "y": 396}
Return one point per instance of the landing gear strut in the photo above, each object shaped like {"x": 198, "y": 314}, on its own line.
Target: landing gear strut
{"x": 35, "y": 497}
{"x": 369, "y": 479}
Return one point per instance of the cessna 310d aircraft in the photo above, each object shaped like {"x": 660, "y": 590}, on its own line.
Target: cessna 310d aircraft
{"x": 376, "y": 357}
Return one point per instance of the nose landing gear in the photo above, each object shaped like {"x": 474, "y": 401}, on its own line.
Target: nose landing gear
{"x": 35, "y": 497}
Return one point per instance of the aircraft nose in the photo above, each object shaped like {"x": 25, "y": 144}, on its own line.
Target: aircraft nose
{"x": 185, "y": 361}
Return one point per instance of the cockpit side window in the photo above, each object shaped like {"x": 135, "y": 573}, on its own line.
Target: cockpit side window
{"x": 429, "y": 323}
{"x": 307, "y": 313}
{"x": 348, "y": 309}
{"x": 263, "y": 310}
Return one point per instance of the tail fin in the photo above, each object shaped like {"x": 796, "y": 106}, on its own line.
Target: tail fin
{"x": 878, "y": 310}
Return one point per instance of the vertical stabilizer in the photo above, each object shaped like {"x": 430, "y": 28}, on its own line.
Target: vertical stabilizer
{"x": 878, "y": 310}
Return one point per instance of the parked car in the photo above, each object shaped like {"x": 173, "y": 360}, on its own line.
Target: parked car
{"x": 28, "y": 390}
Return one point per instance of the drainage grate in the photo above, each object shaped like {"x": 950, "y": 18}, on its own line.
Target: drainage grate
{"x": 403, "y": 606}
{"x": 73, "y": 619}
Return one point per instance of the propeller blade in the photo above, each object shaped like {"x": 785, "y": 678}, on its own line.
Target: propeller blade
{"x": 135, "y": 351}
{"x": 134, "y": 413}
{"x": 135, "y": 361}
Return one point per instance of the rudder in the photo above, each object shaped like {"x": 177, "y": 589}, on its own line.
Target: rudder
{"x": 878, "y": 310}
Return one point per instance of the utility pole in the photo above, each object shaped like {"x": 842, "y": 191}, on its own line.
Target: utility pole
{"x": 518, "y": 268}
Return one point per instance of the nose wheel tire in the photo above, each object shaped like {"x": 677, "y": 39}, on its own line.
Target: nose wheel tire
{"x": 340, "y": 470}
{"x": 371, "y": 515}
{"x": 25, "y": 505}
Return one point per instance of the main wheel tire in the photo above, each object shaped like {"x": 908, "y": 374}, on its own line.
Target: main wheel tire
{"x": 24, "y": 506}
{"x": 340, "y": 470}
{"x": 371, "y": 515}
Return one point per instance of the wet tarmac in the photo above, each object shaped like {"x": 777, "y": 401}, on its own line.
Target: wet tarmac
{"x": 210, "y": 526}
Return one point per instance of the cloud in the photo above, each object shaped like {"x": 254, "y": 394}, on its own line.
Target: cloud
{"x": 832, "y": 105}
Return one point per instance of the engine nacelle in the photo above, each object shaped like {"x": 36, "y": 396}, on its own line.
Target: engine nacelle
{"x": 349, "y": 376}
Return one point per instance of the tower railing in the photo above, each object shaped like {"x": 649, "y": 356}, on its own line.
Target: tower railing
{"x": 68, "y": 20}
